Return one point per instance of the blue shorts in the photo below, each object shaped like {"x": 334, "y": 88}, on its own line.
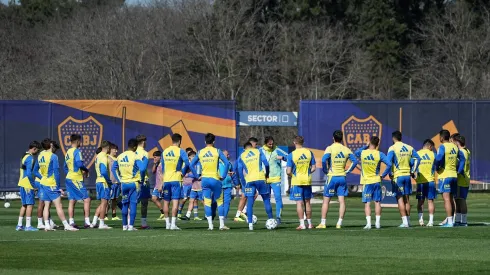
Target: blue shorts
{"x": 300, "y": 192}
{"x": 196, "y": 195}
{"x": 404, "y": 186}
{"x": 172, "y": 190}
{"x": 426, "y": 191}
{"x": 27, "y": 196}
{"x": 335, "y": 185}
{"x": 371, "y": 192}
{"x": 145, "y": 191}
{"x": 212, "y": 190}
{"x": 115, "y": 191}
{"x": 156, "y": 193}
{"x": 448, "y": 185}
{"x": 76, "y": 190}
{"x": 130, "y": 193}
{"x": 252, "y": 187}
{"x": 48, "y": 193}
{"x": 186, "y": 191}
{"x": 462, "y": 192}
{"x": 103, "y": 193}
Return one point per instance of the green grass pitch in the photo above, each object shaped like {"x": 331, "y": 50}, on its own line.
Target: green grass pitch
{"x": 350, "y": 250}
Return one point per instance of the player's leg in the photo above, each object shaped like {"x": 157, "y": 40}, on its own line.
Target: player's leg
{"x": 328, "y": 193}
{"x": 54, "y": 197}
{"x": 125, "y": 205}
{"x": 307, "y": 194}
{"x": 377, "y": 197}
{"x": 462, "y": 196}
{"x": 134, "y": 197}
{"x": 144, "y": 211}
{"x": 105, "y": 196}
{"x": 264, "y": 190}
{"x": 167, "y": 192}
{"x": 155, "y": 198}
{"x": 207, "y": 192}
{"x": 176, "y": 193}
{"x": 217, "y": 189}
{"x": 401, "y": 201}
{"x": 192, "y": 201}
{"x": 115, "y": 193}
{"x": 367, "y": 193}
{"x": 407, "y": 192}
{"x": 226, "y": 201}
{"x": 342, "y": 192}
{"x": 422, "y": 192}
{"x": 276, "y": 188}
{"x": 445, "y": 189}
{"x": 86, "y": 207}
{"x": 240, "y": 217}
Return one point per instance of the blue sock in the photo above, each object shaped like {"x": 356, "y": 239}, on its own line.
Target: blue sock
{"x": 180, "y": 208}
{"x": 195, "y": 211}
{"x": 278, "y": 197}
{"x": 267, "y": 205}
{"x": 250, "y": 207}
{"x": 132, "y": 216}
{"x": 124, "y": 213}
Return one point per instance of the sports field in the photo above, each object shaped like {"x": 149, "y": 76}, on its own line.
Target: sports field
{"x": 350, "y": 250}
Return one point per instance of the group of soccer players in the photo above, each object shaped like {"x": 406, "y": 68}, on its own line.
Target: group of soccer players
{"x": 208, "y": 176}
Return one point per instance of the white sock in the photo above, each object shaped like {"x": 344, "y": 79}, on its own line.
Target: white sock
{"x": 251, "y": 226}
{"x": 46, "y": 224}
{"x": 421, "y": 216}
{"x": 173, "y": 221}
{"x": 405, "y": 220}
{"x": 130, "y": 227}
{"x": 87, "y": 220}
{"x": 65, "y": 223}
{"x": 221, "y": 221}
{"x": 167, "y": 221}
{"x": 339, "y": 222}
{"x": 188, "y": 214}
{"x": 431, "y": 218}
{"x": 210, "y": 222}
{"x": 304, "y": 216}
{"x": 302, "y": 222}
{"x": 238, "y": 213}
{"x": 94, "y": 221}
{"x": 324, "y": 221}
{"x": 39, "y": 221}
{"x": 28, "y": 221}
{"x": 143, "y": 222}
{"x": 72, "y": 220}
{"x": 20, "y": 221}
{"x": 449, "y": 220}
{"x": 368, "y": 220}
{"x": 464, "y": 218}
{"x": 378, "y": 219}
{"x": 101, "y": 222}
{"x": 51, "y": 222}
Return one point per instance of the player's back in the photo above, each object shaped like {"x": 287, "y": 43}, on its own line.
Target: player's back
{"x": 128, "y": 170}
{"x": 448, "y": 167}
{"x": 172, "y": 163}
{"x": 73, "y": 170}
{"x": 209, "y": 159}
{"x": 338, "y": 159}
{"x": 103, "y": 159}
{"x": 251, "y": 162}
{"x": 24, "y": 181}
{"x": 401, "y": 154}
{"x": 142, "y": 155}
{"x": 47, "y": 163}
{"x": 370, "y": 166}
{"x": 464, "y": 180}
{"x": 300, "y": 160}
{"x": 426, "y": 168}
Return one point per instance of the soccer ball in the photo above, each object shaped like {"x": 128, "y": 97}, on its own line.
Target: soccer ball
{"x": 7, "y": 205}
{"x": 271, "y": 224}
{"x": 254, "y": 219}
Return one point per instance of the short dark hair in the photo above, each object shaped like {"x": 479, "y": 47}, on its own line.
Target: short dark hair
{"x": 75, "y": 137}
{"x": 34, "y": 144}
{"x": 98, "y": 150}
{"x": 176, "y": 138}
{"x": 397, "y": 135}
{"x": 46, "y": 143}
{"x": 247, "y": 145}
{"x": 429, "y": 142}
{"x": 188, "y": 149}
{"x": 267, "y": 139}
{"x": 132, "y": 143}
{"x": 299, "y": 140}
{"x": 191, "y": 153}
{"x": 105, "y": 144}
{"x": 444, "y": 134}
{"x": 454, "y": 136}
{"x": 55, "y": 144}
{"x": 157, "y": 153}
{"x": 374, "y": 141}
{"x": 253, "y": 139}
{"x": 140, "y": 138}
{"x": 210, "y": 138}
{"x": 114, "y": 146}
{"x": 461, "y": 140}
{"x": 338, "y": 136}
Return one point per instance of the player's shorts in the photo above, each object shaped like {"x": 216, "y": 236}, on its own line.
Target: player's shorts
{"x": 196, "y": 194}
{"x": 103, "y": 193}
{"x": 426, "y": 191}
{"x": 145, "y": 191}
{"x": 371, "y": 192}
{"x": 172, "y": 190}
{"x": 130, "y": 193}
{"x": 335, "y": 185}
{"x": 49, "y": 193}
{"x": 404, "y": 186}
{"x": 27, "y": 196}
{"x": 462, "y": 192}
{"x": 156, "y": 193}
{"x": 76, "y": 190}
{"x": 448, "y": 185}
{"x": 212, "y": 190}
{"x": 300, "y": 192}
{"x": 115, "y": 191}
{"x": 256, "y": 186}
{"x": 186, "y": 191}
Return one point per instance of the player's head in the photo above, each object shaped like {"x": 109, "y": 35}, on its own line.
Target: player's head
{"x": 141, "y": 139}
{"x": 396, "y": 136}
{"x": 269, "y": 141}
{"x": 209, "y": 138}
{"x": 460, "y": 141}
{"x": 374, "y": 142}
{"x": 76, "y": 140}
{"x": 34, "y": 147}
{"x": 444, "y": 135}
{"x": 253, "y": 141}
{"x": 46, "y": 144}
{"x": 429, "y": 144}
{"x": 54, "y": 146}
{"x": 105, "y": 145}
{"x": 99, "y": 149}
{"x": 132, "y": 144}
{"x": 226, "y": 153}
{"x": 247, "y": 145}
{"x": 191, "y": 154}
{"x": 338, "y": 136}
{"x": 114, "y": 149}
{"x": 188, "y": 149}
{"x": 176, "y": 139}
{"x": 298, "y": 141}
{"x": 453, "y": 137}
{"x": 157, "y": 156}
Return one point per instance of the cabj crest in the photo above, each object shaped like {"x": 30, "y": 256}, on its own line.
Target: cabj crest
{"x": 91, "y": 131}
{"x": 358, "y": 132}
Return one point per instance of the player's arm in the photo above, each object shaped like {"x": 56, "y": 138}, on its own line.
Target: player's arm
{"x": 141, "y": 167}
{"x": 281, "y": 155}
{"x": 185, "y": 160}
{"x": 264, "y": 161}
{"x": 387, "y": 162}
{"x": 289, "y": 169}
{"x": 155, "y": 167}
{"x": 390, "y": 157}
{"x": 56, "y": 170}
{"x": 312, "y": 163}
{"x": 358, "y": 152}
{"x": 36, "y": 170}
{"x": 29, "y": 164}
{"x": 440, "y": 156}
{"x": 226, "y": 162}
{"x": 461, "y": 163}
{"x": 105, "y": 172}
{"x": 79, "y": 162}
{"x": 65, "y": 167}
{"x": 353, "y": 161}
{"x": 192, "y": 166}
{"x": 144, "y": 162}
{"x": 416, "y": 161}
{"x": 115, "y": 170}
{"x": 234, "y": 176}
{"x": 325, "y": 160}
{"x": 240, "y": 171}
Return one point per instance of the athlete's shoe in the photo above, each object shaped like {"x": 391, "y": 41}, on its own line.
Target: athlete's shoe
{"x": 125, "y": 228}
{"x": 19, "y": 228}
{"x": 197, "y": 219}
{"x": 457, "y": 224}
{"x": 105, "y": 226}
{"x": 238, "y": 219}
{"x": 71, "y": 228}
{"x": 106, "y": 219}
{"x": 86, "y": 226}
{"x": 421, "y": 223}
{"x": 161, "y": 218}
{"x": 145, "y": 227}
{"x": 243, "y": 216}
{"x": 174, "y": 227}
{"x": 116, "y": 218}
{"x": 443, "y": 222}
{"x": 338, "y": 226}
{"x": 463, "y": 224}
{"x": 448, "y": 225}
{"x": 49, "y": 229}
{"x": 321, "y": 226}
{"x": 210, "y": 229}
{"x": 367, "y": 227}
{"x": 132, "y": 229}
{"x": 53, "y": 225}
{"x": 179, "y": 216}
{"x": 430, "y": 224}
{"x": 30, "y": 228}
{"x": 301, "y": 227}
{"x": 184, "y": 218}
{"x": 224, "y": 228}
{"x": 40, "y": 226}
{"x": 310, "y": 226}
{"x": 74, "y": 225}
{"x": 278, "y": 221}
{"x": 378, "y": 226}
{"x": 403, "y": 226}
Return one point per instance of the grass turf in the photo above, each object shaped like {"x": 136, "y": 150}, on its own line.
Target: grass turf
{"x": 350, "y": 250}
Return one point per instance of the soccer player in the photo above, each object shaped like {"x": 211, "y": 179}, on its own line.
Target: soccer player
{"x": 301, "y": 164}
{"x": 102, "y": 184}
{"x": 196, "y": 191}
{"x": 50, "y": 190}
{"x": 116, "y": 186}
{"x": 185, "y": 196}
{"x": 228, "y": 183}
{"x": 400, "y": 155}
{"x": 175, "y": 163}
{"x": 75, "y": 187}
{"x": 426, "y": 188}
{"x": 371, "y": 160}
{"x": 333, "y": 165}
{"x": 464, "y": 167}
{"x": 209, "y": 158}
{"x": 26, "y": 182}
{"x": 144, "y": 194}
{"x": 251, "y": 166}
{"x": 447, "y": 162}
{"x": 242, "y": 205}
{"x": 156, "y": 195}
{"x": 274, "y": 157}
{"x": 129, "y": 169}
